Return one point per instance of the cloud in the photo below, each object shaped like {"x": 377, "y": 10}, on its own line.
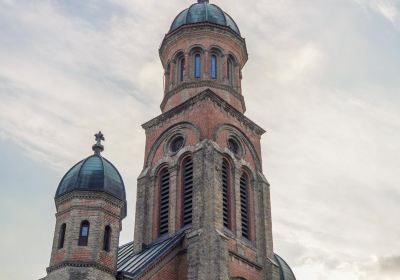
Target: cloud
{"x": 322, "y": 78}
{"x": 389, "y": 9}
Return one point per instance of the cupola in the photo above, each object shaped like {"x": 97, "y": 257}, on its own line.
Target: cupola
{"x": 94, "y": 173}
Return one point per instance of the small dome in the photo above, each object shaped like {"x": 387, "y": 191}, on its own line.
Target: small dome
{"x": 204, "y": 12}
{"x": 94, "y": 173}
{"x": 285, "y": 271}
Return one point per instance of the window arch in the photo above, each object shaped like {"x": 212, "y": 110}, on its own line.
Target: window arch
{"x": 163, "y": 201}
{"x": 230, "y": 70}
{"x": 107, "y": 239}
{"x": 226, "y": 195}
{"x": 84, "y": 234}
{"x": 181, "y": 68}
{"x": 61, "y": 236}
{"x": 214, "y": 66}
{"x": 244, "y": 205}
{"x": 187, "y": 191}
{"x": 197, "y": 66}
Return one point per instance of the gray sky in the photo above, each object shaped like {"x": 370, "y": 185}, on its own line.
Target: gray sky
{"x": 322, "y": 79}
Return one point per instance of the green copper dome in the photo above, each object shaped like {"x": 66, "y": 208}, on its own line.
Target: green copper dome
{"x": 204, "y": 12}
{"x": 94, "y": 173}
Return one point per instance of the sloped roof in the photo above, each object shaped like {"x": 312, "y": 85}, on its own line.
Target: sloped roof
{"x": 132, "y": 265}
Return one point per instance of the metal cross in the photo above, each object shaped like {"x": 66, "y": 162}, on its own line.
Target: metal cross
{"x": 99, "y": 137}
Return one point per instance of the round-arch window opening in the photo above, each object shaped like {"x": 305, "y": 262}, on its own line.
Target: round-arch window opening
{"x": 233, "y": 146}
{"x": 177, "y": 143}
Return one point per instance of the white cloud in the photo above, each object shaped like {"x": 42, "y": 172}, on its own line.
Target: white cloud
{"x": 320, "y": 79}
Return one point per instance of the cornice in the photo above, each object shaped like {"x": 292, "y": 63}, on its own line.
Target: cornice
{"x": 92, "y": 195}
{"x": 208, "y": 94}
{"x": 202, "y": 83}
{"x": 80, "y": 264}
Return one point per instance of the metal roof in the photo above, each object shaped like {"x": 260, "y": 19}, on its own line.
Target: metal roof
{"x": 132, "y": 265}
{"x": 95, "y": 173}
{"x": 204, "y": 12}
{"x": 285, "y": 271}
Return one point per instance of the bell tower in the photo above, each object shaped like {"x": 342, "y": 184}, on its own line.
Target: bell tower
{"x": 202, "y": 171}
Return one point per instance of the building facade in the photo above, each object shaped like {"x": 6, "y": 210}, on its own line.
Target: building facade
{"x": 203, "y": 206}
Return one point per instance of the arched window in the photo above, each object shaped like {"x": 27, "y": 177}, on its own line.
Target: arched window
{"x": 214, "y": 67}
{"x": 226, "y": 203}
{"x": 83, "y": 234}
{"x": 244, "y": 205}
{"x": 181, "y": 69}
{"x": 61, "y": 236}
{"x": 164, "y": 201}
{"x": 107, "y": 239}
{"x": 230, "y": 70}
{"x": 197, "y": 66}
{"x": 187, "y": 183}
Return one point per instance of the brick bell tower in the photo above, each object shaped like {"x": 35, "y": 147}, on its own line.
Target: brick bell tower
{"x": 202, "y": 174}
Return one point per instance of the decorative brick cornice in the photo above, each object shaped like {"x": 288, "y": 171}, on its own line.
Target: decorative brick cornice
{"x": 80, "y": 264}
{"x": 205, "y": 95}
{"x": 92, "y": 195}
{"x": 202, "y": 83}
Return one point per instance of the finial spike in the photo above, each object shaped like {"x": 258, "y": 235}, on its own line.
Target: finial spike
{"x": 98, "y": 147}
{"x": 202, "y": 1}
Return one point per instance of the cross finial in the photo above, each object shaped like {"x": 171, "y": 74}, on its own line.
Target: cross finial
{"x": 98, "y": 147}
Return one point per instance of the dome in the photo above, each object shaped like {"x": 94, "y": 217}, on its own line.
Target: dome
{"x": 94, "y": 173}
{"x": 204, "y": 12}
{"x": 285, "y": 272}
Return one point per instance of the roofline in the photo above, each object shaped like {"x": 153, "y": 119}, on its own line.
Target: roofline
{"x": 208, "y": 93}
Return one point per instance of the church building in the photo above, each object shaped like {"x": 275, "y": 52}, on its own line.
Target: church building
{"x": 203, "y": 209}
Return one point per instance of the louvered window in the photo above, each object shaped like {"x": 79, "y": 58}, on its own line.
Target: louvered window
{"x": 164, "y": 201}
{"x": 244, "y": 207}
{"x": 187, "y": 174}
{"x": 225, "y": 194}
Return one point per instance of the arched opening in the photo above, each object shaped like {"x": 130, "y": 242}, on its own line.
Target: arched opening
{"x": 197, "y": 66}
{"x": 181, "y": 68}
{"x": 107, "y": 239}
{"x": 61, "y": 236}
{"x": 187, "y": 191}
{"x": 214, "y": 67}
{"x": 84, "y": 234}
{"x": 163, "y": 201}
{"x": 244, "y": 205}
{"x": 226, "y": 195}
{"x": 230, "y": 70}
